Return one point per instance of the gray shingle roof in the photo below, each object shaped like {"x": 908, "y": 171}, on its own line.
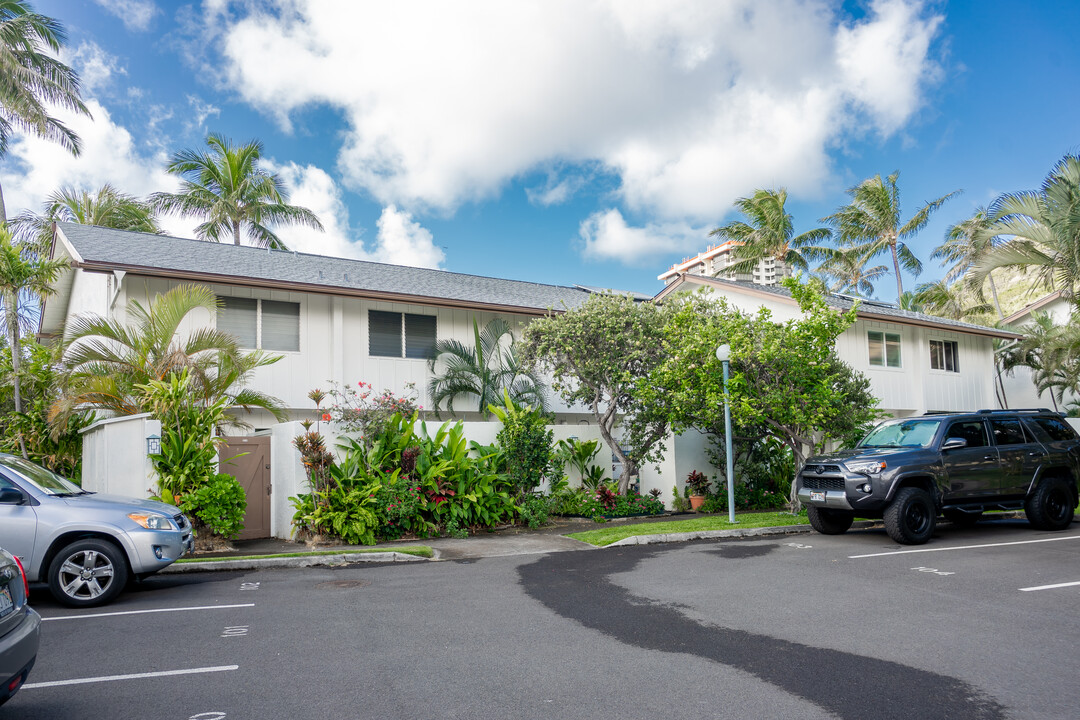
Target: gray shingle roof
{"x": 103, "y": 248}
{"x": 873, "y": 308}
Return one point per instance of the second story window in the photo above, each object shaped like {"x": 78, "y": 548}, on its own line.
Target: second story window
{"x": 392, "y": 334}
{"x": 944, "y": 355}
{"x": 884, "y": 348}
{"x": 261, "y": 324}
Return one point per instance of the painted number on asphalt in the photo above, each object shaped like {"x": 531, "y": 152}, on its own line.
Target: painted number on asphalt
{"x": 800, "y": 546}
{"x": 932, "y": 570}
{"x": 208, "y": 716}
{"x": 249, "y": 586}
{"x": 235, "y": 631}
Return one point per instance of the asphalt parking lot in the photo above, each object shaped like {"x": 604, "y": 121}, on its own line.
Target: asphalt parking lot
{"x": 980, "y": 623}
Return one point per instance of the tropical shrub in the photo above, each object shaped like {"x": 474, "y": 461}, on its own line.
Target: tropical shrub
{"x": 535, "y": 510}
{"x": 604, "y": 502}
{"x": 362, "y": 413}
{"x": 337, "y": 512}
{"x": 218, "y": 505}
{"x": 526, "y": 444}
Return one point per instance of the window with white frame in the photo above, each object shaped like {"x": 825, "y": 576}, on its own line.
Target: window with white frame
{"x": 394, "y": 334}
{"x": 944, "y": 355}
{"x": 884, "y": 348}
{"x": 261, "y": 324}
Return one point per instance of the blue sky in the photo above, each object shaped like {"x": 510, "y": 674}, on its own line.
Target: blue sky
{"x": 569, "y": 142}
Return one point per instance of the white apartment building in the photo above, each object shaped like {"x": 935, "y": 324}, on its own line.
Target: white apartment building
{"x": 715, "y": 260}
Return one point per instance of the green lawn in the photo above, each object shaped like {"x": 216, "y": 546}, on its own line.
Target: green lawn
{"x": 608, "y": 535}
{"x": 418, "y": 550}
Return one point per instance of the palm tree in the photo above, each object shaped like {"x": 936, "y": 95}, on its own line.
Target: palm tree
{"x": 1051, "y": 352}
{"x": 768, "y": 232}
{"x": 871, "y": 224}
{"x": 105, "y": 208}
{"x": 944, "y": 299}
{"x": 846, "y": 272}
{"x": 22, "y": 276}
{"x": 483, "y": 371}
{"x": 967, "y": 243}
{"x": 32, "y": 80}
{"x": 1044, "y": 227}
{"x": 104, "y": 362}
{"x": 231, "y": 194}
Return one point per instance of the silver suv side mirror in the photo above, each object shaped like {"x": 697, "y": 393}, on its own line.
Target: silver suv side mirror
{"x": 954, "y": 443}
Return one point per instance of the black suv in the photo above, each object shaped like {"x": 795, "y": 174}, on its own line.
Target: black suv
{"x": 909, "y": 470}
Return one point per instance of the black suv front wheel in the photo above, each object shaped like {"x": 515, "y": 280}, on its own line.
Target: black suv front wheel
{"x": 911, "y": 518}
{"x": 829, "y": 522}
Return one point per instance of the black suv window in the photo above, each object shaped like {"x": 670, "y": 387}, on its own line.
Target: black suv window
{"x": 1055, "y": 428}
{"x": 971, "y": 430}
{"x": 1007, "y": 432}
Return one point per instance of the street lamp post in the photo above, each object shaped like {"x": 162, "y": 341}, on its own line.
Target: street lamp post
{"x": 723, "y": 354}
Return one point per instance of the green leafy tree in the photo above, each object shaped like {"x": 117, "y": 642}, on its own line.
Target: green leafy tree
{"x": 1044, "y": 231}
{"x": 60, "y": 452}
{"x": 871, "y": 224}
{"x": 34, "y": 81}
{"x": 231, "y": 194}
{"x": 482, "y": 373}
{"x": 769, "y": 232}
{"x": 106, "y": 364}
{"x": 1051, "y": 352}
{"x": 24, "y": 279}
{"x": 106, "y": 207}
{"x": 944, "y": 299}
{"x": 596, "y": 353}
{"x": 786, "y": 378}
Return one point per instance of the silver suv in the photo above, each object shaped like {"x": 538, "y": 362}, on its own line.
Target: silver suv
{"x": 85, "y": 545}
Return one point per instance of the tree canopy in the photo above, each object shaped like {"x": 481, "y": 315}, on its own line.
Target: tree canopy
{"x": 596, "y": 354}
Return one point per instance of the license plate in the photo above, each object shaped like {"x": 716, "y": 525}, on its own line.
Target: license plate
{"x": 6, "y": 603}
{"x": 817, "y": 497}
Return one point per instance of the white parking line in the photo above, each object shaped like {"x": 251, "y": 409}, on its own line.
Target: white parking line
{"x": 962, "y": 547}
{"x": 135, "y": 676}
{"x": 1050, "y": 587}
{"x": 145, "y": 612}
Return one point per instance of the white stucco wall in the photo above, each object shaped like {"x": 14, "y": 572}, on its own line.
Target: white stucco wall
{"x": 115, "y": 459}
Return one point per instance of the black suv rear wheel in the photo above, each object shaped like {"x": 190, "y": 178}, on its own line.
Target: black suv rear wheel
{"x": 911, "y": 518}
{"x": 829, "y": 522}
{"x": 1050, "y": 507}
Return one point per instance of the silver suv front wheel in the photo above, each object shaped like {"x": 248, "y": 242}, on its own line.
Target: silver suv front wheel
{"x": 87, "y": 573}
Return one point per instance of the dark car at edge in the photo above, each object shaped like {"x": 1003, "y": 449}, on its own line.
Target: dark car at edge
{"x": 908, "y": 471}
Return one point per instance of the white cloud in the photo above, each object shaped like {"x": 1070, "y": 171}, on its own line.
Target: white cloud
{"x": 34, "y": 168}
{"x": 200, "y": 113}
{"x": 691, "y": 103}
{"x": 95, "y": 67}
{"x": 135, "y": 14}
{"x": 608, "y": 237}
{"x": 402, "y": 241}
{"x": 399, "y": 240}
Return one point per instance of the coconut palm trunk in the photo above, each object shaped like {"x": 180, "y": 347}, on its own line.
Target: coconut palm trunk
{"x": 12, "y": 318}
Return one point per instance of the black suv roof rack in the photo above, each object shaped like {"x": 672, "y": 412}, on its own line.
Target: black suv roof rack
{"x": 1016, "y": 410}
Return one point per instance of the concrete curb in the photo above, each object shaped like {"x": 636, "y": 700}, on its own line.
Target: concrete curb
{"x": 734, "y": 533}
{"x": 290, "y": 562}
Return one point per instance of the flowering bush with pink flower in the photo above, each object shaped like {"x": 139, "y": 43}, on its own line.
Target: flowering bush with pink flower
{"x": 362, "y": 411}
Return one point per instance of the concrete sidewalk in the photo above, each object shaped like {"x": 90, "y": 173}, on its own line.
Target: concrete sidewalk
{"x": 508, "y": 541}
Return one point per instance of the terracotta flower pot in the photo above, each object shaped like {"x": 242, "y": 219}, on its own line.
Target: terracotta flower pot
{"x": 696, "y": 501}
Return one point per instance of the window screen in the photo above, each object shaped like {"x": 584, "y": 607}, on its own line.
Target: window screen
{"x": 944, "y": 355}
{"x": 1056, "y": 429}
{"x": 419, "y": 336}
{"x": 280, "y": 325}
{"x": 973, "y": 431}
{"x": 384, "y": 333}
{"x": 884, "y": 348}
{"x": 239, "y": 318}
{"x": 1007, "y": 432}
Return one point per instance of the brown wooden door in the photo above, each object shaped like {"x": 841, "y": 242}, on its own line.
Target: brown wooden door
{"x": 253, "y": 471}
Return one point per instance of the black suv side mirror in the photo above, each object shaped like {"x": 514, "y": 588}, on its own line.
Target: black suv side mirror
{"x": 11, "y": 496}
{"x": 954, "y": 443}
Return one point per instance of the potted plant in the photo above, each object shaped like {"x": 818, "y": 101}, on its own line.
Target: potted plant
{"x": 699, "y": 485}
